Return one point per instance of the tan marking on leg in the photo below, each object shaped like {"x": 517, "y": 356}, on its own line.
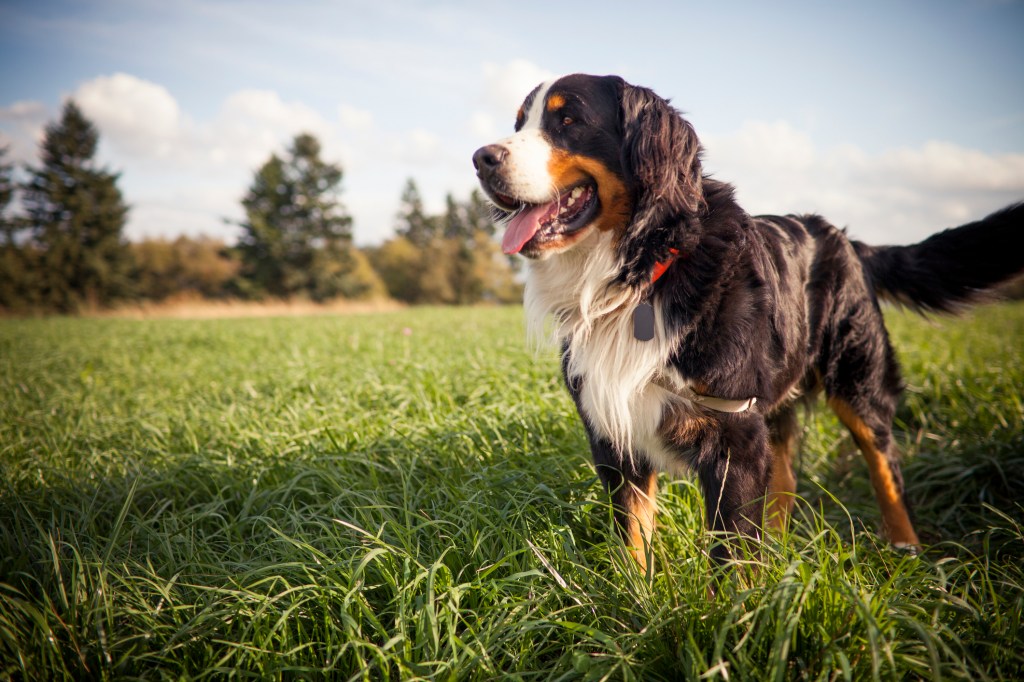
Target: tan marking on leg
{"x": 640, "y": 511}
{"x": 895, "y": 520}
{"x": 782, "y": 486}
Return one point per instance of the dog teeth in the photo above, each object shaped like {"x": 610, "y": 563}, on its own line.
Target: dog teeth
{"x": 573, "y": 196}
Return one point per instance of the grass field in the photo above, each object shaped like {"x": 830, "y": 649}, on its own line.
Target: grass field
{"x": 409, "y": 495}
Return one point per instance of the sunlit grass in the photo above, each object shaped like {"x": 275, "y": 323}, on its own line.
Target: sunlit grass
{"x": 408, "y": 494}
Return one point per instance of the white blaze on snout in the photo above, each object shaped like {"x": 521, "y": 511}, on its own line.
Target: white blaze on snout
{"x": 525, "y": 173}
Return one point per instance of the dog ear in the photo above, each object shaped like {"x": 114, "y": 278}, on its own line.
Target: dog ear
{"x": 661, "y": 162}
{"x": 661, "y": 152}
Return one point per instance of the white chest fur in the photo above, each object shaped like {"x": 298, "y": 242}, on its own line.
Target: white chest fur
{"x": 571, "y": 298}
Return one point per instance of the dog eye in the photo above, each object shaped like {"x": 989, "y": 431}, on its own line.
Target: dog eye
{"x": 568, "y": 121}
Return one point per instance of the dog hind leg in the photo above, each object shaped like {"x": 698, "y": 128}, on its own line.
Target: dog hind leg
{"x": 863, "y": 385}
{"x": 874, "y": 438}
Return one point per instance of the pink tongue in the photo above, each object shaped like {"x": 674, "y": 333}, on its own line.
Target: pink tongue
{"x": 522, "y": 228}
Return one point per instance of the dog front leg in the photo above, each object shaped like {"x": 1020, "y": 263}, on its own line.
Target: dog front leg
{"x": 631, "y": 482}
{"x": 633, "y": 487}
{"x": 734, "y": 471}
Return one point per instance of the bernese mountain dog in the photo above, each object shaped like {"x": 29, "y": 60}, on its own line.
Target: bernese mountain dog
{"x": 689, "y": 329}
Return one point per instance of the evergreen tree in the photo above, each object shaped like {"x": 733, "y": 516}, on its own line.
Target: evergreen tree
{"x": 76, "y": 215}
{"x": 450, "y": 258}
{"x": 8, "y": 224}
{"x": 412, "y": 221}
{"x": 298, "y": 236}
{"x": 478, "y": 215}
{"x": 464, "y": 284}
{"x": 15, "y": 273}
{"x": 455, "y": 224}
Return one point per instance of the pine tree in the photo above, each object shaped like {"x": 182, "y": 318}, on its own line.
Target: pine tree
{"x": 449, "y": 258}
{"x": 15, "y": 273}
{"x": 412, "y": 221}
{"x": 298, "y": 236}
{"x": 479, "y": 215}
{"x": 9, "y": 226}
{"x": 76, "y": 216}
{"x": 455, "y": 224}
{"x": 464, "y": 284}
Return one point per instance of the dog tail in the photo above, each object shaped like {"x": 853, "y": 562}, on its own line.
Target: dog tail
{"x": 951, "y": 269}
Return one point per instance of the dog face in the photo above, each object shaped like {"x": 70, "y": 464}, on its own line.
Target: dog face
{"x": 590, "y": 153}
{"x": 560, "y": 176}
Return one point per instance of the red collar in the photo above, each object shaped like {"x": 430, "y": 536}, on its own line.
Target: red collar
{"x": 661, "y": 266}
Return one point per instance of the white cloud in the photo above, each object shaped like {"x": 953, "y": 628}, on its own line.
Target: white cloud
{"x": 185, "y": 175}
{"x": 190, "y": 210}
{"x": 141, "y": 122}
{"x": 767, "y": 144}
{"x": 503, "y": 88}
{"x": 254, "y": 123}
{"x": 355, "y": 118}
{"x": 138, "y": 117}
{"x": 482, "y": 125}
{"x": 182, "y": 175}
{"x": 266, "y": 109}
{"x": 896, "y": 196}
{"x": 506, "y": 85}
{"x": 25, "y": 122}
{"x": 23, "y": 111}
{"x": 418, "y": 146}
{"x": 946, "y": 166}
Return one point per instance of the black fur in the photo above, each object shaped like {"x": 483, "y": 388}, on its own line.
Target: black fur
{"x": 764, "y": 306}
{"x": 951, "y": 268}
{"x": 661, "y": 163}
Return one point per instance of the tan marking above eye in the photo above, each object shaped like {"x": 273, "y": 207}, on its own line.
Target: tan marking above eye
{"x": 555, "y": 102}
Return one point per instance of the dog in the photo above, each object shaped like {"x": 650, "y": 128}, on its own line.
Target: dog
{"x": 690, "y": 330}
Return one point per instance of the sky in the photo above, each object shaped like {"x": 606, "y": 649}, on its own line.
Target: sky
{"x": 893, "y": 118}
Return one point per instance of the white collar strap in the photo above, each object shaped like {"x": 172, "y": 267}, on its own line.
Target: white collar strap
{"x": 732, "y": 406}
{"x": 718, "y": 404}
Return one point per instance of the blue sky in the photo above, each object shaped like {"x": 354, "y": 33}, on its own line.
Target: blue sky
{"x": 893, "y": 118}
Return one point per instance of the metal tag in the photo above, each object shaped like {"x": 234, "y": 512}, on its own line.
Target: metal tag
{"x": 643, "y": 322}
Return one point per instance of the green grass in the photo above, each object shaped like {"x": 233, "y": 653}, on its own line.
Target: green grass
{"x": 333, "y": 496}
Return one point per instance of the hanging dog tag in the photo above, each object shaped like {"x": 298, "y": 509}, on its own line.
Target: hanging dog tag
{"x": 643, "y": 322}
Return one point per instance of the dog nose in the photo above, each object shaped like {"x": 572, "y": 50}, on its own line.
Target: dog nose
{"x": 489, "y": 157}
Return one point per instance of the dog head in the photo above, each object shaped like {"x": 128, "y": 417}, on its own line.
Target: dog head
{"x": 593, "y": 153}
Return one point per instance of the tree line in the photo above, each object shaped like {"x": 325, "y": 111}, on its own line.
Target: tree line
{"x": 65, "y": 249}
